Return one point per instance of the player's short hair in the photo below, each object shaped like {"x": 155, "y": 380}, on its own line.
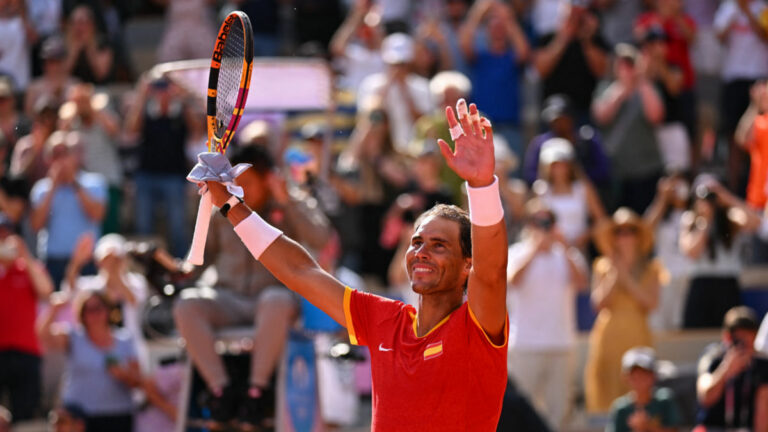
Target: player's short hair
{"x": 254, "y": 154}
{"x": 458, "y": 215}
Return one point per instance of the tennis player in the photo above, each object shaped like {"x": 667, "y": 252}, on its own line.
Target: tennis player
{"x": 441, "y": 366}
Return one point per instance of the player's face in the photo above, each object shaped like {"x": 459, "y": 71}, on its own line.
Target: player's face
{"x": 434, "y": 261}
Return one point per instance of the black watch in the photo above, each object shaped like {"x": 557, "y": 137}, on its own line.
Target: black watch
{"x": 231, "y": 202}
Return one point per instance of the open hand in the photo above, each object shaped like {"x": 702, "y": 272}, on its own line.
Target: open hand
{"x": 472, "y": 158}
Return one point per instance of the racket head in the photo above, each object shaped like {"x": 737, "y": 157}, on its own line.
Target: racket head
{"x": 229, "y": 79}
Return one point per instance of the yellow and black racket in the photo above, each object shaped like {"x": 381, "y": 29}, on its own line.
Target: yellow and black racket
{"x": 228, "y": 82}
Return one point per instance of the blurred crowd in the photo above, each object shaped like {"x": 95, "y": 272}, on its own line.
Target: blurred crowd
{"x": 631, "y": 140}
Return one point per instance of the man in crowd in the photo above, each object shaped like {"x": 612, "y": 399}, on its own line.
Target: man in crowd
{"x": 246, "y": 294}
{"x": 645, "y": 407}
{"x": 66, "y": 203}
{"x": 732, "y": 387}
{"x": 544, "y": 275}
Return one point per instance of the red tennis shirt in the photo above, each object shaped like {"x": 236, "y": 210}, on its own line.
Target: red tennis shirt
{"x": 452, "y": 378}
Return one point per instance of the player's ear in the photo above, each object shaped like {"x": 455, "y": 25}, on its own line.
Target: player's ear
{"x": 467, "y": 265}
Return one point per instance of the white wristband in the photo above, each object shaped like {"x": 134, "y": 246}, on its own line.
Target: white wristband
{"x": 485, "y": 207}
{"x": 256, "y": 234}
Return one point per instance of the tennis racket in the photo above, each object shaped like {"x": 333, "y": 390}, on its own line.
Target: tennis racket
{"x": 228, "y": 82}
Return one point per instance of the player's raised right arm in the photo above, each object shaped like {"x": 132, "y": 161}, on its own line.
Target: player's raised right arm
{"x": 284, "y": 258}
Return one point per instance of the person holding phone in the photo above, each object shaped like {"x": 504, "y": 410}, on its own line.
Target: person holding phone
{"x": 544, "y": 274}
{"x": 102, "y": 367}
{"x": 23, "y": 282}
{"x": 732, "y": 386}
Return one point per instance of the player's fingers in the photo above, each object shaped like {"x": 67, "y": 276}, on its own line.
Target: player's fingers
{"x": 445, "y": 149}
{"x": 487, "y": 129}
{"x": 463, "y": 113}
{"x": 202, "y": 188}
{"x": 450, "y": 116}
{"x": 474, "y": 117}
{"x": 454, "y": 127}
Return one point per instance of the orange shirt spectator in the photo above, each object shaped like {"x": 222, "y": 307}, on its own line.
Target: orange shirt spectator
{"x": 758, "y": 169}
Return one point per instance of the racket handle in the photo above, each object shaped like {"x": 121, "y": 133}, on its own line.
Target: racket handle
{"x": 197, "y": 250}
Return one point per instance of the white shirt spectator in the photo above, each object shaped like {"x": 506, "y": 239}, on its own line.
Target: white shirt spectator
{"x": 45, "y": 15}
{"x": 746, "y": 55}
{"x": 14, "y": 52}
{"x": 542, "y": 307}
{"x": 400, "y": 120}
{"x": 358, "y": 63}
{"x": 570, "y": 209}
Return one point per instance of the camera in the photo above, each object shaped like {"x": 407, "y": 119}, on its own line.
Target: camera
{"x": 704, "y": 192}
{"x": 545, "y": 223}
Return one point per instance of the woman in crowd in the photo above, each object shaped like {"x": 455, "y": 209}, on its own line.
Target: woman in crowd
{"x": 571, "y": 197}
{"x": 664, "y": 216}
{"x": 101, "y": 362}
{"x": 625, "y": 288}
{"x": 712, "y": 236}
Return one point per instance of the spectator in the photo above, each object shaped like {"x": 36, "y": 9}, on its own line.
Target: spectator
{"x": 188, "y": 31}
{"x": 495, "y": 67}
{"x": 587, "y": 144}
{"x": 447, "y": 88}
{"x": 89, "y": 56}
{"x": 125, "y": 290}
{"x": 672, "y": 134}
{"x": 17, "y": 33}
{"x": 645, "y": 407}
{"x": 625, "y": 289}
{"x": 13, "y": 124}
{"x": 13, "y": 193}
{"x": 453, "y": 16}
{"x": 67, "y": 419}
{"x": 27, "y": 161}
{"x": 712, "y": 236}
{"x": 544, "y": 274}
{"x": 101, "y": 362}
{"x": 571, "y": 197}
{"x": 161, "y": 118}
{"x": 55, "y": 82}
{"x": 88, "y": 114}
{"x": 23, "y": 282}
{"x": 628, "y": 109}
{"x": 572, "y": 60}
{"x": 752, "y": 136}
{"x": 163, "y": 392}
{"x": 356, "y": 45}
{"x": 66, "y": 203}
{"x": 738, "y": 26}
{"x": 732, "y": 386}
{"x": 548, "y": 15}
{"x": 405, "y": 95}
{"x": 616, "y": 16}
{"x": 46, "y": 17}
{"x": 680, "y": 29}
{"x": 665, "y": 217}
{"x": 761, "y": 341}
{"x": 432, "y": 52}
{"x": 247, "y": 294}
{"x": 371, "y": 175}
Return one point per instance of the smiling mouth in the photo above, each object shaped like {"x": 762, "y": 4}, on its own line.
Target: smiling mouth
{"x": 419, "y": 269}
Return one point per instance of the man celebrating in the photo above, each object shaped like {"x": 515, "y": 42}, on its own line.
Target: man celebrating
{"x": 443, "y": 366}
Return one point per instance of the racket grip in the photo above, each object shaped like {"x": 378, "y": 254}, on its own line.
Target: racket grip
{"x": 197, "y": 250}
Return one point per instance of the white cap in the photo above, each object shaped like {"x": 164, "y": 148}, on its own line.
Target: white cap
{"x": 110, "y": 244}
{"x": 642, "y": 357}
{"x": 556, "y": 150}
{"x": 397, "y": 48}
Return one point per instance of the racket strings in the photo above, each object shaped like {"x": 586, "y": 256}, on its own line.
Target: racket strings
{"x": 230, "y": 74}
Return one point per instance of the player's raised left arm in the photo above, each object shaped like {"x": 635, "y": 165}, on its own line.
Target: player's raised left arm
{"x": 473, "y": 160}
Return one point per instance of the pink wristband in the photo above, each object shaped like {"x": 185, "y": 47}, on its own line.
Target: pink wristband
{"x": 485, "y": 207}
{"x": 256, "y": 234}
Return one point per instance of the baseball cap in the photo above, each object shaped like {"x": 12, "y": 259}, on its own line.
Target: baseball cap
{"x": 556, "y": 150}
{"x": 109, "y": 244}
{"x": 397, "y": 48}
{"x": 740, "y": 318}
{"x": 555, "y": 106}
{"x": 642, "y": 357}
{"x": 53, "y": 48}
{"x": 625, "y": 51}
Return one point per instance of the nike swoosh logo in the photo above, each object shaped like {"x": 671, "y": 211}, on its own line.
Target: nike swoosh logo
{"x": 381, "y": 348}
